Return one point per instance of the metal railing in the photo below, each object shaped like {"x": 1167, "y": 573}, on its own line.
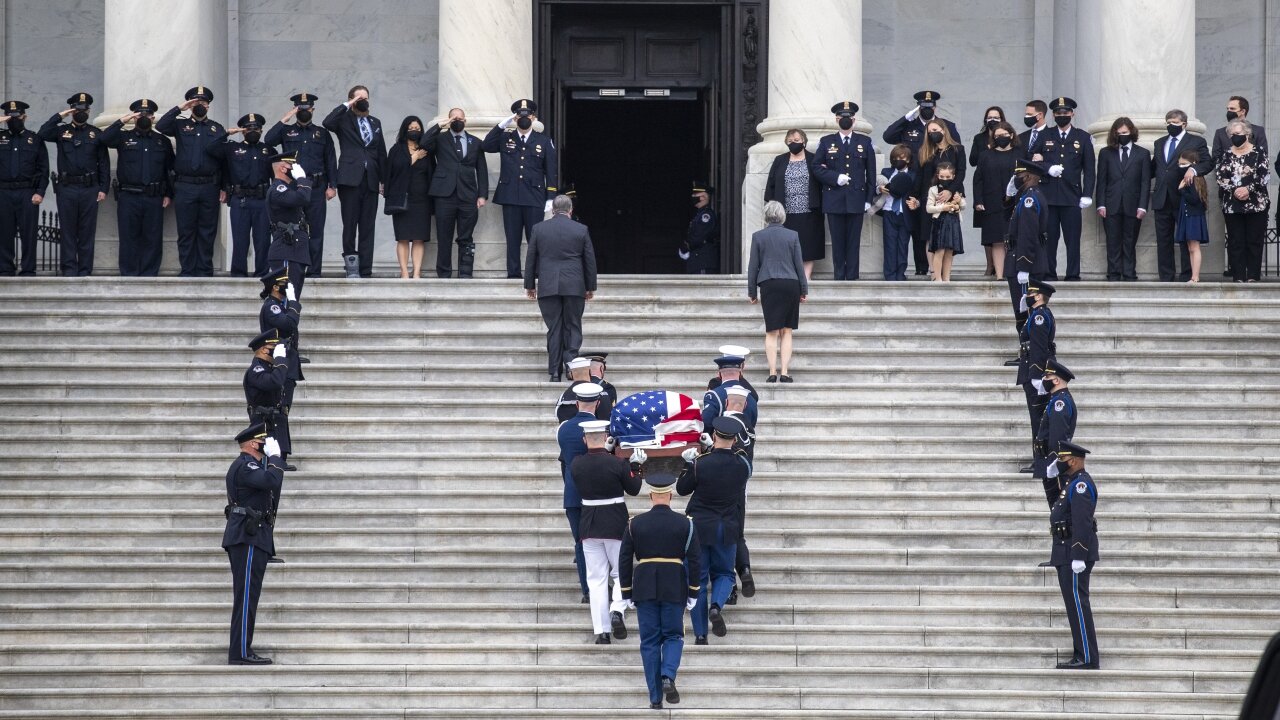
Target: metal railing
{"x": 48, "y": 243}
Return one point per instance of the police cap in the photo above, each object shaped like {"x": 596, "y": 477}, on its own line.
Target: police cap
{"x": 1066, "y": 448}
{"x": 901, "y": 185}
{"x": 273, "y": 279}
{"x": 144, "y": 106}
{"x": 252, "y": 120}
{"x": 587, "y": 392}
{"x": 15, "y": 107}
{"x": 524, "y": 107}
{"x": 303, "y": 100}
{"x": 594, "y": 356}
{"x": 570, "y": 190}
{"x": 726, "y": 427}
{"x": 268, "y": 337}
{"x": 846, "y": 108}
{"x": 1062, "y": 103}
{"x": 199, "y": 92}
{"x": 1053, "y": 367}
{"x": 701, "y": 186}
{"x": 256, "y": 431}
{"x": 927, "y": 98}
{"x": 660, "y": 483}
{"x": 80, "y": 101}
{"x": 1027, "y": 166}
{"x": 1041, "y": 287}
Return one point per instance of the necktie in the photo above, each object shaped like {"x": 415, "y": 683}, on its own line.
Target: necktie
{"x": 457, "y": 144}
{"x": 365, "y": 132}
{"x": 845, "y": 140}
{"x": 1034, "y": 134}
{"x": 1124, "y": 156}
{"x": 1168, "y": 150}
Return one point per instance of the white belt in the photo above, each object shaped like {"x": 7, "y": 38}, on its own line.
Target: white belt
{"x": 610, "y": 501}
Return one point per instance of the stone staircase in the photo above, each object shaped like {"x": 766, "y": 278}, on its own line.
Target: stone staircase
{"x": 894, "y": 543}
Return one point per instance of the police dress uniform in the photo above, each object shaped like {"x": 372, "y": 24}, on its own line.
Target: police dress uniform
{"x": 717, "y": 480}
{"x": 702, "y": 240}
{"x": 253, "y": 491}
{"x": 1072, "y": 149}
{"x": 659, "y": 564}
{"x": 526, "y": 180}
{"x": 245, "y": 175}
{"x": 601, "y": 479}
{"x": 910, "y": 131}
{"x": 745, "y": 442}
{"x": 195, "y": 183}
{"x": 287, "y": 202}
{"x": 313, "y": 146}
{"x": 569, "y": 438}
{"x": 1037, "y": 347}
{"x": 84, "y": 172}
{"x": 283, "y": 316}
{"x": 144, "y": 167}
{"x": 24, "y": 173}
{"x": 1025, "y": 241}
{"x": 1057, "y": 425}
{"x": 1075, "y": 538}
{"x": 264, "y": 383}
{"x": 852, "y": 155}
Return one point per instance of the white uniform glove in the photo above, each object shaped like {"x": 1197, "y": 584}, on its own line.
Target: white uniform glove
{"x": 705, "y": 440}
{"x": 507, "y": 123}
{"x": 630, "y": 604}
{"x": 297, "y": 172}
{"x": 1012, "y": 188}
{"x": 1077, "y": 566}
{"x": 1039, "y": 386}
{"x": 289, "y": 294}
{"x": 546, "y": 208}
{"x": 1055, "y": 170}
{"x": 683, "y": 255}
{"x": 1085, "y": 202}
{"x": 271, "y": 448}
{"x": 912, "y": 115}
{"x": 842, "y": 180}
{"x": 1024, "y": 278}
{"x": 866, "y": 207}
{"x": 694, "y": 601}
{"x": 638, "y": 456}
{"x": 689, "y": 454}
{"x": 610, "y": 443}
{"x": 1022, "y": 304}
{"x": 279, "y": 352}
{"x": 1052, "y": 470}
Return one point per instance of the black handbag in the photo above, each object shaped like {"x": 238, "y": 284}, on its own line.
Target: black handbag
{"x": 395, "y": 205}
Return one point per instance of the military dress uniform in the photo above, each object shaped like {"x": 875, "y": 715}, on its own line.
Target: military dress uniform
{"x": 84, "y": 173}
{"x": 195, "y": 183}
{"x": 1025, "y": 241}
{"x": 567, "y": 407}
{"x": 852, "y": 157}
{"x": 287, "y": 202}
{"x": 572, "y": 445}
{"x": 313, "y": 146}
{"x": 659, "y": 565}
{"x": 713, "y": 400}
{"x": 1068, "y": 194}
{"x": 24, "y": 173}
{"x": 264, "y": 383}
{"x": 1057, "y": 425}
{"x": 144, "y": 167}
{"x": 718, "y": 482}
{"x": 744, "y": 442}
{"x": 245, "y": 175}
{"x": 1037, "y": 347}
{"x": 526, "y": 181}
{"x": 253, "y": 491}
{"x": 1075, "y": 550}
{"x": 702, "y": 240}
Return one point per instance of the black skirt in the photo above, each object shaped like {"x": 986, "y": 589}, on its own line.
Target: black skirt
{"x": 812, "y": 232}
{"x": 414, "y": 223}
{"x": 780, "y": 300}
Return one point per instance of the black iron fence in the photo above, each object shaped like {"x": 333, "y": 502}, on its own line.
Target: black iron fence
{"x": 1270, "y": 251}
{"x": 48, "y": 243}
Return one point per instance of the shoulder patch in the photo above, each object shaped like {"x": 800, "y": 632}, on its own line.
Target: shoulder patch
{"x": 1082, "y": 488}
{"x": 706, "y": 217}
{"x": 281, "y": 187}
{"x": 1057, "y": 406}
{"x": 259, "y": 368}
{"x": 275, "y": 309}
{"x": 1028, "y": 202}
{"x": 1039, "y": 319}
{"x": 253, "y": 466}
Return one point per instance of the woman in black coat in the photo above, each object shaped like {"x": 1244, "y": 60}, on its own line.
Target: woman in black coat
{"x": 939, "y": 147}
{"x": 982, "y": 142}
{"x": 990, "y": 178}
{"x": 409, "y": 168}
{"x": 800, "y": 193}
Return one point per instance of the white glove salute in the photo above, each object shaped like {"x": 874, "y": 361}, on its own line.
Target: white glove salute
{"x": 1055, "y": 170}
{"x": 1085, "y": 202}
{"x": 279, "y": 352}
{"x": 1039, "y": 386}
{"x": 610, "y": 443}
{"x": 297, "y": 172}
{"x": 842, "y": 180}
{"x": 289, "y": 294}
{"x": 912, "y": 114}
{"x": 1012, "y": 188}
{"x": 705, "y": 440}
{"x": 638, "y": 456}
{"x": 507, "y": 123}
{"x": 689, "y": 454}
{"x": 1077, "y": 566}
{"x": 271, "y": 447}
{"x": 1023, "y": 278}
{"x": 1051, "y": 471}
{"x": 694, "y": 601}
{"x": 1022, "y": 304}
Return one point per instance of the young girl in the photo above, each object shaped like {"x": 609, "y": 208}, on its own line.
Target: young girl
{"x": 1192, "y": 228}
{"x": 945, "y": 239}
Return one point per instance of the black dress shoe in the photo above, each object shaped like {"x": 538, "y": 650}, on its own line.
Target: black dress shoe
{"x": 700, "y": 640}
{"x": 1012, "y": 362}
{"x": 1027, "y": 469}
{"x": 619, "y": 628}
{"x": 1078, "y": 664}
{"x": 555, "y": 377}
{"x": 785, "y": 378}
{"x": 602, "y": 639}
{"x": 1046, "y": 563}
{"x": 290, "y": 467}
{"x": 304, "y": 360}
{"x": 655, "y": 705}
{"x": 748, "y": 582}
{"x": 670, "y": 691}
{"x": 733, "y": 597}
{"x": 252, "y": 659}
{"x": 771, "y": 379}
{"x": 717, "y": 621}
{"x": 275, "y": 560}
{"x": 585, "y": 600}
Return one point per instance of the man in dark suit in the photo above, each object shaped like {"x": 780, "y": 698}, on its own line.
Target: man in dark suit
{"x": 845, "y": 162}
{"x": 1033, "y": 118}
{"x": 1164, "y": 193}
{"x": 361, "y": 164}
{"x": 560, "y": 273}
{"x": 1124, "y": 188}
{"x": 1068, "y": 188}
{"x": 460, "y": 187}
{"x": 527, "y": 180}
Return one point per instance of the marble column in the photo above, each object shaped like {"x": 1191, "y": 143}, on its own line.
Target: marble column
{"x": 484, "y": 67}
{"x": 808, "y": 73}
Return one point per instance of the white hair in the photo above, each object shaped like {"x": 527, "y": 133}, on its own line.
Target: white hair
{"x": 774, "y": 212}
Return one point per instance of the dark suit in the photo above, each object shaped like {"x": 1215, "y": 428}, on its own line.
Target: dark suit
{"x": 1165, "y": 176}
{"x": 1025, "y": 140}
{"x": 1124, "y": 188}
{"x": 361, "y": 169}
{"x": 561, "y": 263}
{"x": 1062, "y": 194}
{"x": 460, "y": 179}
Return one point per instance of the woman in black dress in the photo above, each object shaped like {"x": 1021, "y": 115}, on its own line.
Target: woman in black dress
{"x": 990, "y": 177}
{"x": 775, "y": 279}
{"x": 407, "y": 202}
{"x": 800, "y": 193}
{"x": 982, "y": 142}
{"x": 939, "y": 147}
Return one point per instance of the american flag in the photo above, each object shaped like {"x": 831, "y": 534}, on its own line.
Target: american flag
{"x": 656, "y": 417}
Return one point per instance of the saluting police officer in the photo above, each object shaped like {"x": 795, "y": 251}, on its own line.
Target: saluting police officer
{"x": 845, "y": 162}
{"x": 1075, "y": 550}
{"x": 84, "y": 175}
{"x": 1037, "y": 347}
{"x": 24, "y": 178}
{"x": 282, "y": 312}
{"x": 313, "y": 146}
{"x": 245, "y": 174}
{"x": 527, "y": 180}
{"x": 701, "y": 249}
{"x": 195, "y": 180}
{"x": 287, "y": 200}
{"x": 1057, "y": 425}
{"x": 1068, "y": 153}
{"x": 1025, "y": 260}
{"x": 718, "y": 481}
{"x": 659, "y": 564}
{"x": 264, "y": 383}
{"x": 144, "y": 188}
{"x": 253, "y": 491}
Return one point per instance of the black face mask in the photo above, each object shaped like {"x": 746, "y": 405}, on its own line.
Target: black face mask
{"x": 524, "y": 123}
{"x": 926, "y": 113}
{"x": 304, "y": 116}
{"x": 1029, "y": 120}
{"x": 1062, "y": 120}
{"x": 362, "y": 105}
{"x": 1124, "y": 139}
{"x": 900, "y": 164}
{"x": 1238, "y": 140}
{"x": 1002, "y": 141}
{"x": 1232, "y": 115}
{"x": 935, "y": 137}
{"x": 1173, "y": 130}
{"x": 199, "y": 111}
{"x": 795, "y": 147}
{"x": 992, "y": 123}
{"x": 17, "y": 125}
{"x": 845, "y": 123}
{"x": 143, "y": 124}
{"x": 1064, "y": 467}
{"x": 80, "y": 117}
{"x": 414, "y": 135}
{"x": 457, "y": 125}
{"x": 252, "y": 136}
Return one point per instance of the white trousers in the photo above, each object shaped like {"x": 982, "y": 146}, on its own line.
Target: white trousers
{"x": 602, "y": 564}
